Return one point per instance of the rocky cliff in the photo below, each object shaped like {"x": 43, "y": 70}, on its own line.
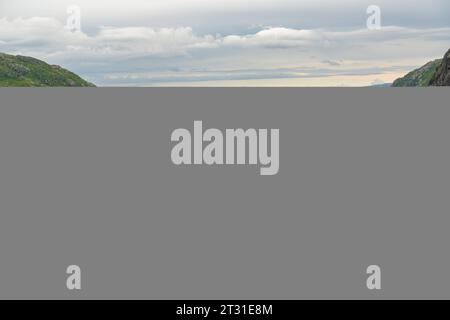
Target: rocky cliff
{"x": 442, "y": 74}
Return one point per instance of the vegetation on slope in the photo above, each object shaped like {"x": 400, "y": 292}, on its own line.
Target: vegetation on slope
{"x": 420, "y": 77}
{"x": 20, "y": 71}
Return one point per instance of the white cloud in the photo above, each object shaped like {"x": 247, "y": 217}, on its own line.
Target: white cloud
{"x": 276, "y": 37}
{"x": 48, "y": 36}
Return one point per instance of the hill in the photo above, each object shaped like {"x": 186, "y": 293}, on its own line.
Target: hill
{"x": 20, "y": 71}
{"x": 434, "y": 73}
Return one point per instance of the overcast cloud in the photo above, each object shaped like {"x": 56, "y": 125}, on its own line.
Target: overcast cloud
{"x": 200, "y": 42}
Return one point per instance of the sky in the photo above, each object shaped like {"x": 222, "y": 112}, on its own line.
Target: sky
{"x": 229, "y": 42}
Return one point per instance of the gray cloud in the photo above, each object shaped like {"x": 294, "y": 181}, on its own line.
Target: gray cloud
{"x": 331, "y": 63}
{"x": 234, "y": 16}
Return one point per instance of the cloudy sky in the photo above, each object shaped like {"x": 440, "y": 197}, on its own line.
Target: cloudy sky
{"x": 229, "y": 42}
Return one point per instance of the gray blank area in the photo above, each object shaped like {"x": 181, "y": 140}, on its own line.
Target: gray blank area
{"x": 86, "y": 178}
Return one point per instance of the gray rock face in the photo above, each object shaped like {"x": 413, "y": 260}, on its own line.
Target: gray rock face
{"x": 442, "y": 75}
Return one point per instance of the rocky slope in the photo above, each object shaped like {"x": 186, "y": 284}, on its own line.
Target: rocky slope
{"x": 434, "y": 73}
{"x": 20, "y": 71}
{"x": 442, "y": 75}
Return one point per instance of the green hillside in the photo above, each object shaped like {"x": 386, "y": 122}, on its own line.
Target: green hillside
{"x": 20, "y": 71}
{"x": 434, "y": 74}
{"x": 420, "y": 77}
